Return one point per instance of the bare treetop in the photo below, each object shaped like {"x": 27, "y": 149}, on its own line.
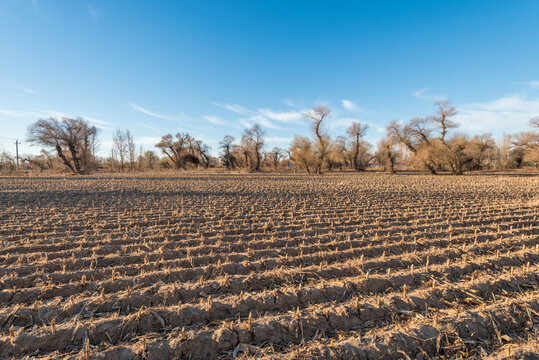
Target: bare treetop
{"x": 253, "y": 140}
{"x": 443, "y": 117}
{"x": 357, "y": 130}
{"x": 317, "y": 116}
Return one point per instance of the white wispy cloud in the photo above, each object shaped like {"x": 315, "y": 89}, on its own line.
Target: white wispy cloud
{"x": 290, "y": 103}
{"x": 261, "y": 120}
{"x": 33, "y": 115}
{"x": 506, "y": 114}
{"x": 151, "y": 113}
{"x": 421, "y": 94}
{"x": 534, "y": 84}
{"x": 351, "y": 106}
{"x": 264, "y": 116}
{"x": 216, "y": 120}
{"x": 245, "y": 122}
{"x": 28, "y": 91}
{"x": 19, "y": 89}
{"x": 15, "y": 113}
{"x": 238, "y": 109}
{"x": 285, "y": 116}
{"x": 101, "y": 124}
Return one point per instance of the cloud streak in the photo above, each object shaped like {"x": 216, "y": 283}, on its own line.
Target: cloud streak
{"x": 34, "y": 115}
{"x": 506, "y": 114}
{"x": 258, "y": 119}
{"x": 16, "y": 113}
{"x": 351, "y": 106}
{"x": 238, "y": 109}
{"x": 19, "y": 90}
{"x": 264, "y": 116}
{"x": 421, "y": 94}
{"x": 215, "y": 120}
{"x": 285, "y": 117}
{"x": 151, "y": 113}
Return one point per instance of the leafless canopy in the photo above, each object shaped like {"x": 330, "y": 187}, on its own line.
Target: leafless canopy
{"x": 124, "y": 148}
{"x": 388, "y": 153}
{"x": 183, "y": 150}
{"x": 443, "y": 116}
{"x": 359, "y": 148}
{"x": 227, "y": 145}
{"x": 419, "y": 136}
{"x": 301, "y": 153}
{"x": 275, "y": 156}
{"x": 74, "y": 140}
{"x": 253, "y": 141}
{"x": 317, "y": 116}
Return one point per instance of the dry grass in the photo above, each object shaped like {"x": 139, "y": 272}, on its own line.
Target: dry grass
{"x": 276, "y": 266}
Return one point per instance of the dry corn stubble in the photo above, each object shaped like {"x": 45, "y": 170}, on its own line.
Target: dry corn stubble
{"x": 280, "y": 266}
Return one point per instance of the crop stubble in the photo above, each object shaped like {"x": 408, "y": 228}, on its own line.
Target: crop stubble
{"x": 275, "y": 266}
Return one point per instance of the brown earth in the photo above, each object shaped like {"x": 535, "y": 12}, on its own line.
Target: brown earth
{"x": 339, "y": 266}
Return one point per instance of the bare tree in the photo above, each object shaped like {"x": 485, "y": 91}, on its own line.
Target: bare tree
{"x": 302, "y": 153}
{"x": 317, "y": 117}
{"x": 244, "y": 150}
{"x": 443, "y": 116}
{"x": 183, "y": 150}
{"x": 340, "y": 152}
{"x": 203, "y": 152}
{"x": 43, "y": 161}
{"x": 112, "y": 161}
{"x": 131, "y": 149}
{"x": 253, "y": 138}
{"x": 275, "y": 155}
{"x": 74, "y": 140}
{"x": 527, "y": 143}
{"x": 434, "y": 152}
{"x": 359, "y": 147}
{"x": 191, "y": 149}
{"x": 454, "y": 154}
{"x": 227, "y": 145}
{"x": 416, "y": 137}
{"x": 482, "y": 149}
{"x": 7, "y": 163}
{"x": 119, "y": 139}
{"x": 151, "y": 160}
{"x": 388, "y": 153}
{"x": 173, "y": 148}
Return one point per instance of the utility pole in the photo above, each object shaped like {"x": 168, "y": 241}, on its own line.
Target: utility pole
{"x": 17, "y": 142}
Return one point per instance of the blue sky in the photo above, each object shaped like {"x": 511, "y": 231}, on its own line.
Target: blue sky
{"x": 213, "y": 67}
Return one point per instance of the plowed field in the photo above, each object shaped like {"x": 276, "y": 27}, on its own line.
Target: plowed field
{"x": 348, "y": 266}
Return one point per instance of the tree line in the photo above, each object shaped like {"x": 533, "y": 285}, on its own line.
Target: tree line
{"x": 430, "y": 143}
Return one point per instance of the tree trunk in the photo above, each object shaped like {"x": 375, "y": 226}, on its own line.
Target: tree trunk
{"x": 64, "y": 159}
{"x": 74, "y": 156}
